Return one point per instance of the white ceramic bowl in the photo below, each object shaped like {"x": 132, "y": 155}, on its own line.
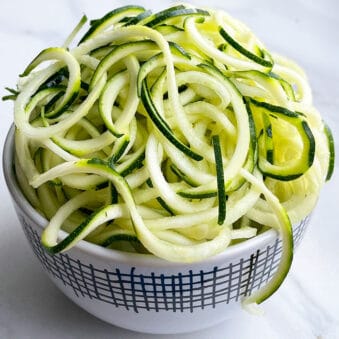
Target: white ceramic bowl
{"x": 144, "y": 293}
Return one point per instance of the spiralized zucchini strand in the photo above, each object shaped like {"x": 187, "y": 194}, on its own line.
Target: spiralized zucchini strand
{"x": 142, "y": 131}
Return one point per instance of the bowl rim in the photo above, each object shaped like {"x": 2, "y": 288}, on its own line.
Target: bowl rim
{"x": 236, "y": 250}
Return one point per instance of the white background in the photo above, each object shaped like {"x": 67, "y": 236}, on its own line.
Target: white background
{"x": 307, "y": 305}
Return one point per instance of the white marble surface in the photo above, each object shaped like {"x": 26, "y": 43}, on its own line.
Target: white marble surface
{"x": 307, "y": 305}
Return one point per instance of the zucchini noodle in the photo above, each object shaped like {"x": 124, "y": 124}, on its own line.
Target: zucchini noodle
{"x": 175, "y": 133}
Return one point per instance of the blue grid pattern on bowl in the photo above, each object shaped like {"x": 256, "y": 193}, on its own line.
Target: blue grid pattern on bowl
{"x": 184, "y": 291}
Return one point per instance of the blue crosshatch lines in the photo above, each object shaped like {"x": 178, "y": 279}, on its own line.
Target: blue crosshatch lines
{"x": 182, "y": 292}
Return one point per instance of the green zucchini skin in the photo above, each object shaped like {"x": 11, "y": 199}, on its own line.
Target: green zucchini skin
{"x": 296, "y": 120}
{"x": 162, "y": 125}
{"x": 220, "y": 180}
{"x": 110, "y": 18}
{"x": 331, "y": 148}
{"x": 244, "y": 51}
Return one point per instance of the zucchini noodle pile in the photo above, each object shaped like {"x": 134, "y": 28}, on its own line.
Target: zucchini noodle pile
{"x": 175, "y": 133}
